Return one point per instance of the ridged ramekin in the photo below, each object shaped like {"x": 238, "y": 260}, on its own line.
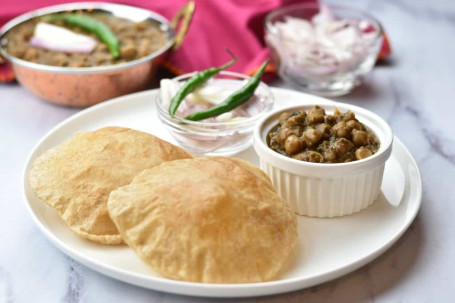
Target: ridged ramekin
{"x": 323, "y": 189}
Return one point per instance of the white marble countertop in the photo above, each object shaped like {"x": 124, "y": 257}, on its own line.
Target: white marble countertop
{"x": 413, "y": 92}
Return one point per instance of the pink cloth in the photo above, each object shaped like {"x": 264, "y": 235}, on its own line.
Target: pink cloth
{"x": 234, "y": 24}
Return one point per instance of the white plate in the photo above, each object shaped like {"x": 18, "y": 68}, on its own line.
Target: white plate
{"x": 327, "y": 248}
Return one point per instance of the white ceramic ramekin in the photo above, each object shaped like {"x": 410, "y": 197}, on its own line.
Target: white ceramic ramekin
{"x": 322, "y": 189}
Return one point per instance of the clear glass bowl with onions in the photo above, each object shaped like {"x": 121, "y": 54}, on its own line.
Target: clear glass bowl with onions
{"x": 323, "y": 49}
{"x": 226, "y": 134}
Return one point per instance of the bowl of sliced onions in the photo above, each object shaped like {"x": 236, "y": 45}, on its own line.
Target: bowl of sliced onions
{"x": 225, "y": 134}
{"x": 323, "y": 49}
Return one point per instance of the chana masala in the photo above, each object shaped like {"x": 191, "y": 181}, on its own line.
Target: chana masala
{"x": 137, "y": 40}
{"x": 315, "y": 136}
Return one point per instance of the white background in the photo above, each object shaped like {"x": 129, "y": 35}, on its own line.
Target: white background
{"x": 413, "y": 92}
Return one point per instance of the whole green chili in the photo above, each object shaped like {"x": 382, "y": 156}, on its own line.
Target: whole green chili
{"x": 93, "y": 26}
{"x": 234, "y": 100}
{"x": 194, "y": 82}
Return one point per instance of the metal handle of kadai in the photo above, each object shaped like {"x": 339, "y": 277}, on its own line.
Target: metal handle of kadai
{"x": 183, "y": 17}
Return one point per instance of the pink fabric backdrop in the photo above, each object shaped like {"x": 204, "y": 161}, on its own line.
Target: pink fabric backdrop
{"x": 233, "y": 24}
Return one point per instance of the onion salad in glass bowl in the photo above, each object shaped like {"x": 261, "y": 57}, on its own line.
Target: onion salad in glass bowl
{"x": 225, "y": 134}
{"x": 323, "y": 49}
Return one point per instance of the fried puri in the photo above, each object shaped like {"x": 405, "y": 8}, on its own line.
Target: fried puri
{"x": 213, "y": 220}
{"x": 77, "y": 177}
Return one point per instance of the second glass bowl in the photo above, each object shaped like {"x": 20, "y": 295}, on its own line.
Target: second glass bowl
{"x": 307, "y": 60}
{"x": 217, "y": 138}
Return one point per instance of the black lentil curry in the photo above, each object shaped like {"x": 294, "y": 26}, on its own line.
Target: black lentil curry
{"x": 137, "y": 39}
{"x": 321, "y": 138}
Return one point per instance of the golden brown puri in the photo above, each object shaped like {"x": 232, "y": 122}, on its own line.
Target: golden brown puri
{"x": 76, "y": 177}
{"x": 213, "y": 220}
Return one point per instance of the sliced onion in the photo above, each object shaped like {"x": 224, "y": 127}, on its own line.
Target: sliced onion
{"x": 168, "y": 89}
{"x": 208, "y": 95}
{"x": 322, "y": 47}
{"x": 324, "y": 16}
{"x": 226, "y": 117}
{"x": 57, "y": 38}
{"x": 186, "y": 109}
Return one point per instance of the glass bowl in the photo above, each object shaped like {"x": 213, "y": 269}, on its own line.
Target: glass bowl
{"x": 217, "y": 138}
{"x": 323, "y": 66}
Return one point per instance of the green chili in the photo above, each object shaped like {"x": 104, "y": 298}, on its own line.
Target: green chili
{"x": 234, "y": 100}
{"x": 194, "y": 82}
{"x": 93, "y": 26}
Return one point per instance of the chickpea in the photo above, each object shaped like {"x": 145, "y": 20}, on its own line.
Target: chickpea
{"x": 282, "y": 135}
{"x": 101, "y": 47}
{"x": 99, "y": 58}
{"x": 329, "y": 155}
{"x": 17, "y": 52}
{"x": 348, "y": 116}
{"x": 341, "y": 130}
{"x": 325, "y": 130}
{"x": 331, "y": 119}
{"x": 362, "y": 153}
{"x": 284, "y": 117}
{"x": 128, "y": 51}
{"x": 144, "y": 47}
{"x": 28, "y": 35}
{"x": 352, "y": 124}
{"x": 371, "y": 139}
{"x": 31, "y": 54}
{"x": 295, "y": 120}
{"x": 60, "y": 59}
{"x": 302, "y": 114}
{"x": 82, "y": 57}
{"x": 140, "y": 26}
{"x": 359, "y": 137}
{"x": 79, "y": 63}
{"x": 342, "y": 146}
{"x": 128, "y": 33}
{"x": 298, "y": 131}
{"x": 311, "y": 136}
{"x": 316, "y": 115}
{"x": 309, "y": 156}
{"x": 293, "y": 145}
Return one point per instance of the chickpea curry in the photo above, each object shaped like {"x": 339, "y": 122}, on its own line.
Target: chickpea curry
{"x": 136, "y": 40}
{"x": 318, "y": 137}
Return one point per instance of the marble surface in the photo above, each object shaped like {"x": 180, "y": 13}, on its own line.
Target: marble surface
{"x": 413, "y": 91}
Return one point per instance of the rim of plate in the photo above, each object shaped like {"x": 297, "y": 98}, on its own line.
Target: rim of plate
{"x": 191, "y": 288}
